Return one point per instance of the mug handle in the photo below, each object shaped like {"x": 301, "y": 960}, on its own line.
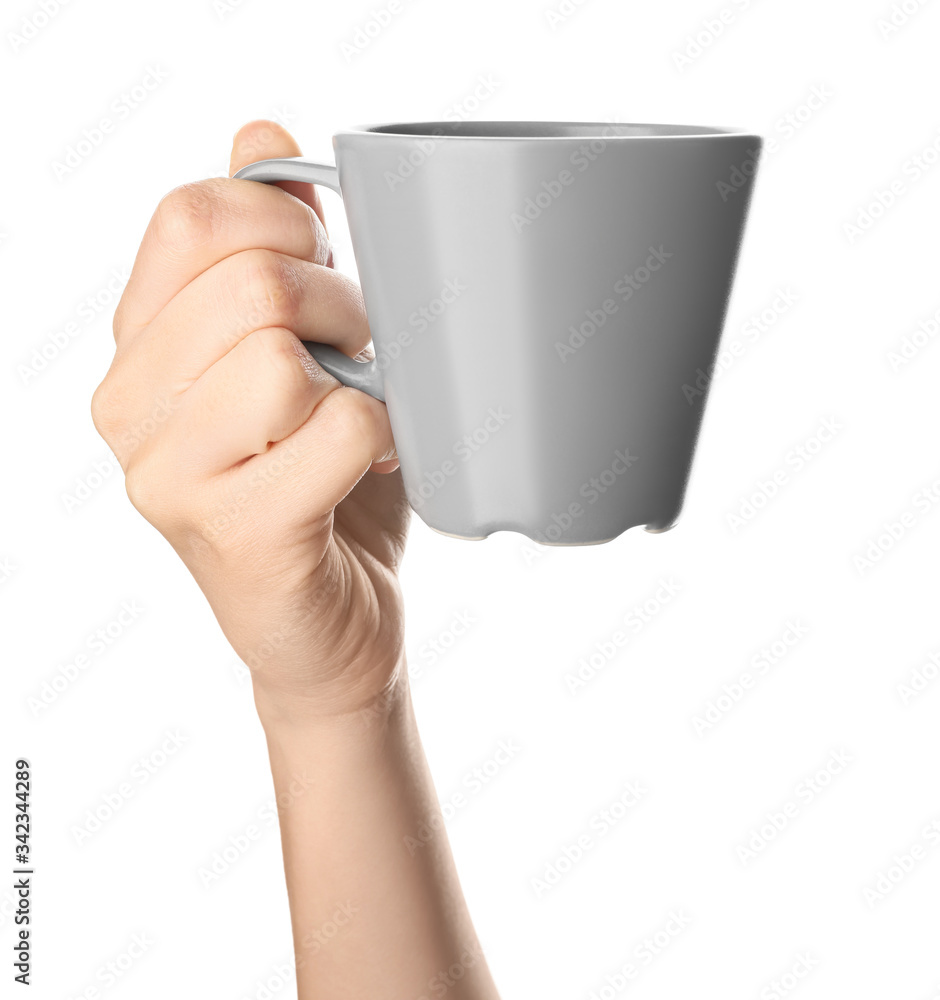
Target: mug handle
{"x": 362, "y": 375}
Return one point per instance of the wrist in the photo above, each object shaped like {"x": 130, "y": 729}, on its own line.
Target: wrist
{"x": 339, "y": 750}
{"x": 350, "y": 708}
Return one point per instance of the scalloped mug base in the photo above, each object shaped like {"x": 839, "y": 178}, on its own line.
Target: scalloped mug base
{"x": 536, "y": 541}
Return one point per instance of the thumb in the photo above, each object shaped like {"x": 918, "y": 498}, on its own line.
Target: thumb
{"x": 264, "y": 140}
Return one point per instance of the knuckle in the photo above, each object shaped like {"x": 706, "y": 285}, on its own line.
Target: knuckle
{"x": 154, "y": 490}
{"x": 358, "y": 418}
{"x": 323, "y": 253}
{"x": 140, "y": 486}
{"x": 99, "y": 407}
{"x": 105, "y": 409}
{"x": 348, "y": 301}
{"x": 297, "y": 213}
{"x": 118, "y": 319}
{"x": 267, "y": 290}
{"x": 284, "y": 358}
{"x": 188, "y": 216}
{"x": 210, "y": 528}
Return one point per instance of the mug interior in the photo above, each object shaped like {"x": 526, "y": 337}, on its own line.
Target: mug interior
{"x": 543, "y": 130}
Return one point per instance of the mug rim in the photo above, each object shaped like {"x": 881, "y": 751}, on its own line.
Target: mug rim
{"x": 497, "y": 130}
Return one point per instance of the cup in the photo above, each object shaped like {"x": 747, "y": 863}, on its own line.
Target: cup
{"x": 545, "y": 301}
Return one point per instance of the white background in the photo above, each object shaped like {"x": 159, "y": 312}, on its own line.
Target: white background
{"x": 865, "y": 629}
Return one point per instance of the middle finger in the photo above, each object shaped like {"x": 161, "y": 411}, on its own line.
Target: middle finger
{"x": 248, "y": 291}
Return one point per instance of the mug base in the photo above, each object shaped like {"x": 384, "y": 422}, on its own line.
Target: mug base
{"x": 554, "y": 545}
{"x": 465, "y": 538}
{"x": 572, "y": 545}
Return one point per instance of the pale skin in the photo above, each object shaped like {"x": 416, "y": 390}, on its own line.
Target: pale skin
{"x": 279, "y": 489}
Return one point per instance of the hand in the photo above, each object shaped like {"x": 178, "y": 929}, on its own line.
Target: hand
{"x": 278, "y": 487}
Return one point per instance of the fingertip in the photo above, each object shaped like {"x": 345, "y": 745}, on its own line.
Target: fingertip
{"x": 263, "y": 139}
{"x": 260, "y": 139}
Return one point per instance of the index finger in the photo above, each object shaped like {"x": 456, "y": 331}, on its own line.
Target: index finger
{"x": 198, "y": 224}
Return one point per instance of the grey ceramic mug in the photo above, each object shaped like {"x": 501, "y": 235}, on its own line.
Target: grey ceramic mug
{"x": 545, "y": 301}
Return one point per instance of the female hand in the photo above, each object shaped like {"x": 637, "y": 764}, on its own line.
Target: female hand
{"x": 277, "y": 486}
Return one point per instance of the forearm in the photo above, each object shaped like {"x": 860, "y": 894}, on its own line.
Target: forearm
{"x": 376, "y": 911}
